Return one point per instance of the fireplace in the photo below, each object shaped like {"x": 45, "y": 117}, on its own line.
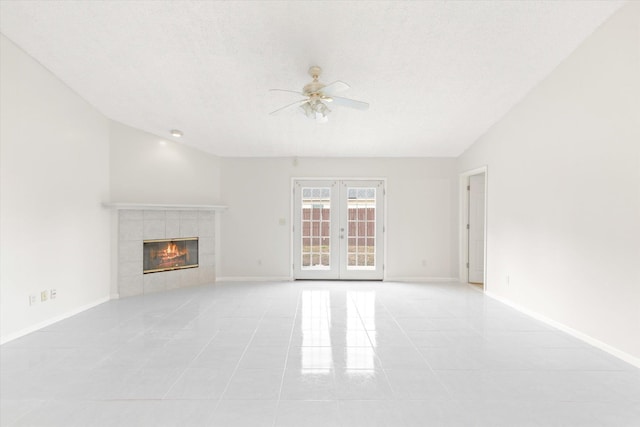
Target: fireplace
{"x": 170, "y": 254}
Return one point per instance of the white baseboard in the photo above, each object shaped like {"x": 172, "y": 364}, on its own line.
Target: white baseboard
{"x": 254, "y": 279}
{"x": 289, "y": 279}
{"x": 51, "y": 321}
{"x": 421, "y": 279}
{"x": 574, "y": 333}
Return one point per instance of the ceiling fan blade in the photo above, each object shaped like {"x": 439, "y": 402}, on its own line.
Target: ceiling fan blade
{"x": 293, "y": 104}
{"x": 351, "y": 103}
{"x": 287, "y": 90}
{"x": 335, "y": 87}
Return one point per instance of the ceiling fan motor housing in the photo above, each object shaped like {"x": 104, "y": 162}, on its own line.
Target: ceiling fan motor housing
{"x": 315, "y": 86}
{"x": 312, "y": 88}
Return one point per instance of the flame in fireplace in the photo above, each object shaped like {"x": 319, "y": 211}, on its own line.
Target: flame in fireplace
{"x": 160, "y": 255}
{"x": 172, "y": 248}
{"x": 172, "y": 251}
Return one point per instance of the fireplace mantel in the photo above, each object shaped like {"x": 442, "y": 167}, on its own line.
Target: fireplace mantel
{"x": 158, "y": 206}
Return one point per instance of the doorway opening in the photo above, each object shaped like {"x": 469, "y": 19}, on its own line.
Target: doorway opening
{"x": 338, "y": 230}
{"x": 473, "y": 227}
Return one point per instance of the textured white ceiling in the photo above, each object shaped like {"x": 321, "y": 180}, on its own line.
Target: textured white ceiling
{"x": 437, "y": 74}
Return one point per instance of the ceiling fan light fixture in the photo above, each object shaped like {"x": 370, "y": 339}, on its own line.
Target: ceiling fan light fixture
{"x": 321, "y": 107}
{"x": 308, "y": 111}
{"x": 316, "y": 110}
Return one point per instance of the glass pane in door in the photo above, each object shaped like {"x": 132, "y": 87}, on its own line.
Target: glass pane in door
{"x": 316, "y": 227}
{"x": 361, "y": 228}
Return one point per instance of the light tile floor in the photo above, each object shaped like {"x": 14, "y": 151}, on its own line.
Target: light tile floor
{"x": 312, "y": 354}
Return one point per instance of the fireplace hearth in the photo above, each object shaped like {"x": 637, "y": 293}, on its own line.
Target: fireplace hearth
{"x": 170, "y": 254}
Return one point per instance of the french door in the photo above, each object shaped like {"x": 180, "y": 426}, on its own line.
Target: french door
{"x": 338, "y": 229}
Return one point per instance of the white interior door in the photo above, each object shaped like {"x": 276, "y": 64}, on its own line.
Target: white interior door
{"x": 476, "y": 228}
{"x": 338, "y": 229}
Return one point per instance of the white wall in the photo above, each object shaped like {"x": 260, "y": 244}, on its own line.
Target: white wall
{"x": 54, "y": 151}
{"x": 564, "y": 191}
{"x": 146, "y": 168}
{"x": 421, "y": 213}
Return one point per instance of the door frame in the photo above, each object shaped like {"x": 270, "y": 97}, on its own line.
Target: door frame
{"x": 333, "y": 178}
{"x": 463, "y": 271}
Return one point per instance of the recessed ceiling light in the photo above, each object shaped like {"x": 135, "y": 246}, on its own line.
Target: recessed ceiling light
{"x": 177, "y": 133}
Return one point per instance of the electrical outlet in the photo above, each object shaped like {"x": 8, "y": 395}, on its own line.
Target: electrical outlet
{"x": 32, "y": 299}
{"x": 44, "y": 295}
{"x": 53, "y": 294}
{"x": 508, "y": 279}
{"x": 424, "y": 262}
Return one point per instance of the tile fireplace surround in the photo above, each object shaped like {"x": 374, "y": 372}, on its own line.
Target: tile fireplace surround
{"x": 146, "y": 222}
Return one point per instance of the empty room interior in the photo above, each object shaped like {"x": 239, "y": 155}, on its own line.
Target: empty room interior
{"x": 318, "y": 213}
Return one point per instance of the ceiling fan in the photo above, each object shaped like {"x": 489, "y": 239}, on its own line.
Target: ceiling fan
{"x": 317, "y": 95}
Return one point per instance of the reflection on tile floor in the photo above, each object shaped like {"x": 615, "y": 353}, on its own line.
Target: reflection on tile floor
{"x": 311, "y": 354}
